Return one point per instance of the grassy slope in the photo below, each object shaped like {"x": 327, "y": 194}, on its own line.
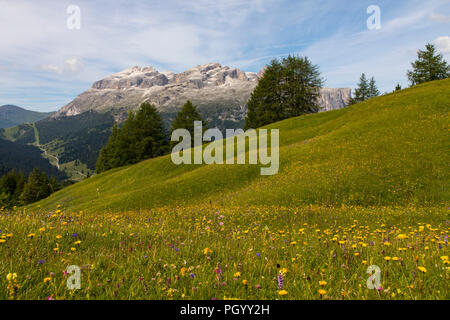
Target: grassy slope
{"x": 391, "y": 150}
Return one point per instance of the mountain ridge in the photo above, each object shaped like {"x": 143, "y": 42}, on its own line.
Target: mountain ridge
{"x": 220, "y": 93}
{"x": 11, "y": 115}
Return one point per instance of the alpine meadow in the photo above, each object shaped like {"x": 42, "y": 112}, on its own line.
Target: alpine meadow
{"x": 227, "y": 159}
{"x": 365, "y": 185}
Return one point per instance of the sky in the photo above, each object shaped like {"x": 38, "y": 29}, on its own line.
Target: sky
{"x": 51, "y": 51}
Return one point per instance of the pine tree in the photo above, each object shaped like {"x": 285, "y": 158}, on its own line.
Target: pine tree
{"x": 36, "y": 188}
{"x": 185, "y": 119}
{"x": 141, "y": 137}
{"x": 108, "y": 152}
{"x": 290, "y": 87}
{"x": 362, "y": 92}
{"x": 125, "y": 152}
{"x": 398, "y": 87}
{"x": 373, "y": 90}
{"x": 11, "y": 187}
{"x": 429, "y": 66}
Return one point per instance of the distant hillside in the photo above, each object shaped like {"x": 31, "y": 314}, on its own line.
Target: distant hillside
{"x": 24, "y": 158}
{"x": 11, "y": 116}
{"x": 389, "y": 150}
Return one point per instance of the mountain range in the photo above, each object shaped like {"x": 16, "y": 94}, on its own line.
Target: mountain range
{"x": 219, "y": 92}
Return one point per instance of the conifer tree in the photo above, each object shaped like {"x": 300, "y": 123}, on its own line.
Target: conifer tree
{"x": 362, "y": 92}
{"x": 149, "y": 133}
{"x": 185, "y": 119}
{"x": 36, "y": 188}
{"x": 11, "y": 187}
{"x": 108, "y": 152}
{"x": 289, "y": 87}
{"x": 373, "y": 89}
{"x": 429, "y": 66}
{"x": 141, "y": 137}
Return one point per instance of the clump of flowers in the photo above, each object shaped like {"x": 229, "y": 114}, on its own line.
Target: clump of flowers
{"x": 13, "y": 285}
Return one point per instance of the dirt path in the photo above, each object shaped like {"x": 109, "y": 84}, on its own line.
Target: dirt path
{"x": 36, "y": 141}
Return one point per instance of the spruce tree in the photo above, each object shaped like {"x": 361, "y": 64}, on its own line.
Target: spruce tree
{"x": 125, "y": 152}
{"x": 289, "y": 87}
{"x": 149, "y": 133}
{"x": 373, "y": 89}
{"x": 398, "y": 87}
{"x": 362, "y": 92}
{"x": 429, "y": 66}
{"x": 11, "y": 187}
{"x": 141, "y": 137}
{"x": 185, "y": 119}
{"x": 36, "y": 188}
{"x": 108, "y": 152}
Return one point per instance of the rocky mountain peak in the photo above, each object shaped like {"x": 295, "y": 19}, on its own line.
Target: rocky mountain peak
{"x": 220, "y": 92}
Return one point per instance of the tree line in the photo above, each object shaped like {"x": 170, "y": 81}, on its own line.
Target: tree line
{"x": 16, "y": 189}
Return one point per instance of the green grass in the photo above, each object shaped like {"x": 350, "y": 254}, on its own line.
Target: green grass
{"x": 366, "y": 185}
{"x": 391, "y": 150}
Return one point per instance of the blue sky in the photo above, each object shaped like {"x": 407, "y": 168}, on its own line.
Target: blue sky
{"x": 44, "y": 65}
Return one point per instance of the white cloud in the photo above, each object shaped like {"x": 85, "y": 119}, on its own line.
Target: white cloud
{"x": 443, "y": 44}
{"x": 71, "y": 65}
{"x": 439, "y": 17}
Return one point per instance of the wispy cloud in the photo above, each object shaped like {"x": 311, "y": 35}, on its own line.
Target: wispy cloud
{"x": 443, "y": 44}
{"x": 439, "y": 17}
{"x": 72, "y": 65}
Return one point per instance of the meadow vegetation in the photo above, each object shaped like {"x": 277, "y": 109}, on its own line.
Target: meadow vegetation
{"x": 365, "y": 185}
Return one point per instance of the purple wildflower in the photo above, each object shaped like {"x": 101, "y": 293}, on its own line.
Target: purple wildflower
{"x": 280, "y": 281}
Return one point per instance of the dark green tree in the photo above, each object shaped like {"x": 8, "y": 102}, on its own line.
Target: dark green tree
{"x": 37, "y": 187}
{"x": 373, "y": 89}
{"x": 362, "y": 92}
{"x": 398, "y": 87}
{"x": 289, "y": 87}
{"x": 141, "y": 137}
{"x": 429, "y": 66}
{"x": 108, "y": 152}
{"x": 151, "y": 137}
{"x": 11, "y": 187}
{"x": 185, "y": 119}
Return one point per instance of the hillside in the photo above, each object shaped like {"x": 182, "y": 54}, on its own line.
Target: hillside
{"x": 390, "y": 150}
{"x": 24, "y": 158}
{"x": 76, "y": 133}
{"x": 11, "y": 116}
{"x": 75, "y": 141}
